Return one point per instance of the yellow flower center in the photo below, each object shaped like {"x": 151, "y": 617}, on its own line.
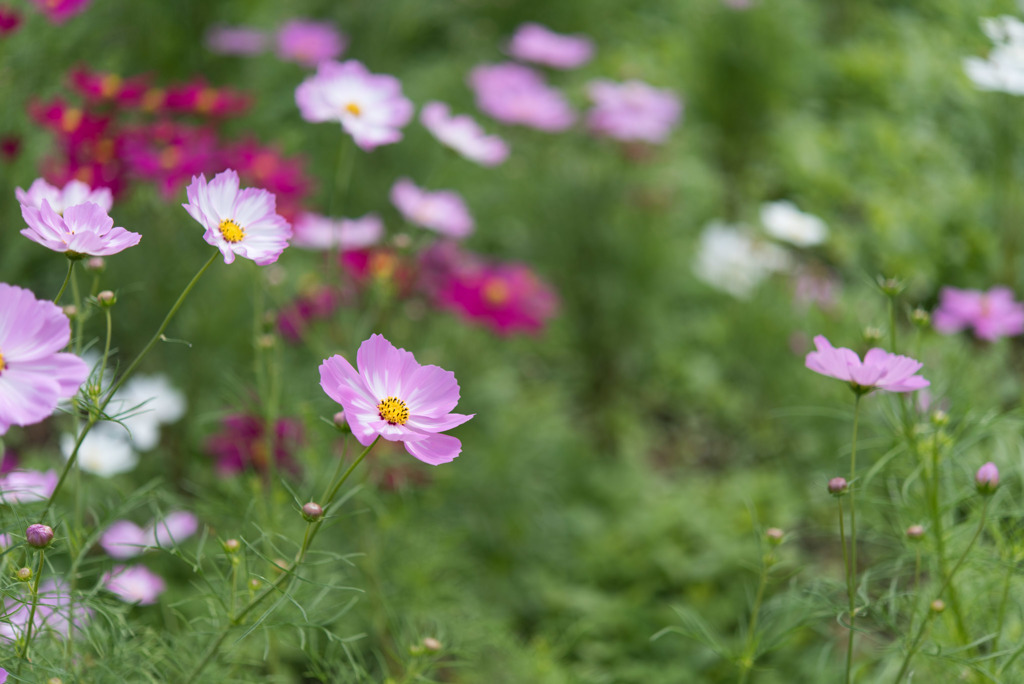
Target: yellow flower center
{"x": 231, "y": 231}
{"x": 353, "y": 109}
{"x": 110, "y": 84}
{"x": 70, "y": 119}
{"x": 393, "y": 410}
{"x": 2, "y": 364}
{"x": 496, "y": 292}
{"x": 205, "y": 100}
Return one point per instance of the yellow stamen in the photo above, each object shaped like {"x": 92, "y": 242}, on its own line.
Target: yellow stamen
{"x": 153, "y": 98}
{"x": 231, "y": 231}
{"x": 110, "y": 84}
{"x": 2, "y": 364}
{"x": 496, "y": 292}
{"x": 353, "y": 109}
{"x": 205, "y": 100}
{"x": 393, "y": 410}
{"x": 170, "y": 157}
{"x": 70, "y": 119}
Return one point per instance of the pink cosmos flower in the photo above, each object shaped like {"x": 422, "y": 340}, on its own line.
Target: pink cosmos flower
{"x": 633, "y": 110}
{"x": 879, "y": 370}
{"x": 27, "y": 486}
{"x": 370, "y": 107}
{"x": 991, "y": 314}
{"x": 59, "y": 199}
{"x": 463, "y": 134}
{"x": 10, "y": 20}
{"x": 54, "y": 613}
{"x": 124, "y": 539}
{"x": 537, "y": 43}
{"x": 309, "y": 42}
{"x": 394, "y": 397}
{"x": 34, "y": 374}
{"x": 292, "y": 320}
{"x": 236, "y": 40}
{"x": 135, "y": 584}
{"x": 83, "y": 230}
{"x": 242, "y": 222}
{"x": 59, "y": 11}
{"x": 313, "y": 231}
{"x": 443, "y": 211}
{"x": 515, "y": 94}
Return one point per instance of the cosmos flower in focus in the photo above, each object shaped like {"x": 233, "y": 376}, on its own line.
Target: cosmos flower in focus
{"x": 633, "y": 110}
{"x": 313, "y": 231}
{"x": 443, "y": 210}
{"x": 238, "y": 222}
{"x": 35, "y": 375}
{"x": 370, "y": 107}
{"x": 537, "y": 43}
{"x": 515, "y": 94}
{"x": 879, "y": 370}
{"x": 134, "y": 584}
{"x": 991, "y": 314}
{"x": 394, "y": 397}
{"x": 309, "y": 42}
{"x": 782, "y": 220}
{"x": 463, "y": 134}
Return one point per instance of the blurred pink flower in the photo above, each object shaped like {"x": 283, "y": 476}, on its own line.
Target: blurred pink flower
{"x": 309, "y": 42}
{"x": 241, "y": 444}
{"x": 170, "y": 154}
{"x": 370, "y": 107}
{"x": 987, "y": 478}
{"x": 199, "y": 97}
{"x": 537, "y": 43}
{"x": 135, "y": 584}
{"x": 54, "y": 613}
{"x": 59, "y": 11}
{"x": 84, "y": 229}
{"x": 515, "y": 94}
{"x": 35, "y": 375}
{"x": 313, "y": 231}
{"x": 124, "y": 539}
{"x": 633, "y": 110}
{"x": 27, "y": 486}
{"x": 10, "y": 20}
{"x": 100, "y": 86}
{"x": 443, "y": 210}
{"x": 59, "y": 199}
{"x": 991, "y": 314}
{"x": 238, "y": 222}
{"x": 394, "y": 397}
{"x": 879, "y": 370}
{"x": 236, "y": 40}
{"x": 267, "y": 168}
{"x": 463, "y": 134}
{"x": 293, "y": 319}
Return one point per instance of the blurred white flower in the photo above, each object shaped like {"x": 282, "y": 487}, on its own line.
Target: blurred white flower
{"x": 784, "y": 221}
{"x": 105, "y": 451}
{"x": 149, "y": 402}
{"x": 1003, "y": 71}
{"x": 730, "y": 259}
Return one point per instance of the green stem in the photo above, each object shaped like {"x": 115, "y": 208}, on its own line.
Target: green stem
{"x": 71, "y": 267}
{"x": 1002, "y": 603}
{"x": 851, "y": 575}
{"x": 93, "y": 419}
{"x": 914, "y": 646}
{"x": 747, "y": 662}
{"x": 31, "y": 612}
{"x": 106, "y": 348}
{"x": 940, "y": 543}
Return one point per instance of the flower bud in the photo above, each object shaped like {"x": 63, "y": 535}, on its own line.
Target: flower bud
{"x": 106, "y": 298}
{"x": 920, "y": 318}
{"x": 96, "y": 264}
{"x": 774, "y": 535}
{"x": 70, "y": 310}
{"x": 940, "y": 418}
{"x": 987, "y": 478}
{"x": 54, "y": 680}
{"x": 837, "y": 486}
{"x": 312, "y": 512}
{"x": 231, "y": 545}
{"x": 890, "y": 286}
{"x": 340, "y": 422}
{"x": 938, "y": 605}
{"x": 266, "y": 341}
{"x": 255, "y": 584}
{"x": 431, "y": 644}
{"x": 39, "y": 535}
{"x": 23, "y": 574}
{"x": 915, "y": 532}
{"x": 872, "y": 335}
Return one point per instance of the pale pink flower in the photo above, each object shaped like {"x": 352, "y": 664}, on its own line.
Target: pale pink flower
{"x": 370, "y": 107}
{"x": 124, "y": 539}
{"x": 309, "y": 42}
{"x": 54, "y": 612}
{"x": 537, "y": 43}
{"x": 879, "y": 370}
{"x": 35, "y": 375}
{"x": 236, "y": 40}
{"x": 238, "y": 221}
{"x": 443, "y": 210}
{"x": 515, "y": 94}
{"x": 27, "y": 486}
{"x": 394, "y": 397}
{"x": 134, "y": 584}
{"x": 313, "y": 231}
{"x": 74, "y": 192}
{"x": 83, "y": 230}
{"x": 991, "y": 314}
{"x": 633, "y": 110}
{"x": 463, "y": 134}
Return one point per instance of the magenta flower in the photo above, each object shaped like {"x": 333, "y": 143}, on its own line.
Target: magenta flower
{"x": 75, "y": 192}
{"x": 463, "y": 134}
{"x": 124, "y": 539}
{"x": 242, "y": 222}
{"x": 135, "y": 584}
{"x": 309, "y": 42}
{"x": 34, "y": 374}
{"x": 83, "y": 230}
{"x": 633, "y": 110}
{"x": 537, "y": 43}
{"x": 879, "y": 370}
{"x": 313, "y": 231}
{"x": 394, "y": 397}
{"x": 369, "y": 107}
{"x": 59, "y": 11}
{"x": 27, "y": 486}
{"x": 241, "y": 444}
{"x": 515, "y": 94}
{"x": 991, "y": 314}
{"x": 236, "y": 40}
{"x": 443, "y": 211}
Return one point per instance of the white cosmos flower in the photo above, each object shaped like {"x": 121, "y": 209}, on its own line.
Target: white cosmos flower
{"x": 730, "y": 259}
{"x": 784, "y": 221}
{"x": 106, "y": 451}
